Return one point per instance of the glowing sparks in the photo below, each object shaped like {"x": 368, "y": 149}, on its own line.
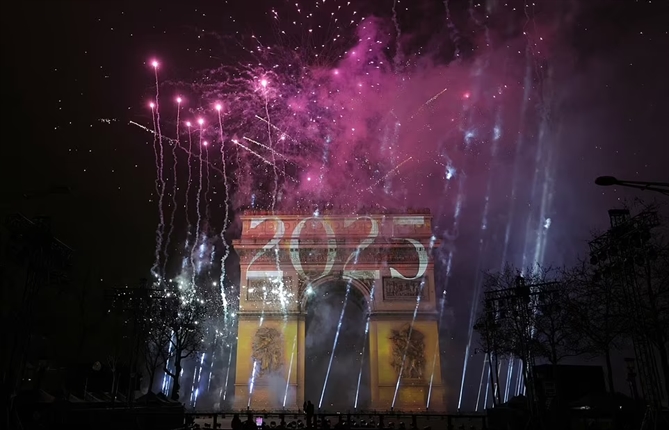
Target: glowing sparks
{"x": 303, "y": 125}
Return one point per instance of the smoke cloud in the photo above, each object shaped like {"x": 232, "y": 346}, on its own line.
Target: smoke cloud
{"x": 494, "y": 121}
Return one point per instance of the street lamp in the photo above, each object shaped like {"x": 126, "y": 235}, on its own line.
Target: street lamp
{"x": 660, "y": 187}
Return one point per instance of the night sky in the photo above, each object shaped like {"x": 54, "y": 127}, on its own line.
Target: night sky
{"x": 75, "y": 73}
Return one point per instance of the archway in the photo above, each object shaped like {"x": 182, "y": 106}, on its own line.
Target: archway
{"x": 381, "y": 253}
{"x": 336, "y": 353}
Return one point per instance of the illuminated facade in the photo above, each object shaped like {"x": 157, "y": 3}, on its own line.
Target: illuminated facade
{"x": 386, "y": 257}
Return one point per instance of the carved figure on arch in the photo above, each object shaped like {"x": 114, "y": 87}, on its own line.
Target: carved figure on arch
{"x": 267, "y": 350}
{"x": 408, "y": 354}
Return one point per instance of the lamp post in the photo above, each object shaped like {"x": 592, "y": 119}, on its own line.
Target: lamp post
{"x": 660, "y": 187}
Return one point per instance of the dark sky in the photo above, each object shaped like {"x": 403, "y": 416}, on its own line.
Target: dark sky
{"x": 68, "y": 66}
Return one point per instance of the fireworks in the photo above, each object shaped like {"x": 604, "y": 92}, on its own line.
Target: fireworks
{"x": 331, "y": 113}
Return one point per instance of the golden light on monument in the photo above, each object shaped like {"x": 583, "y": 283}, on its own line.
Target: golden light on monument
{"x": 387, "y": 258}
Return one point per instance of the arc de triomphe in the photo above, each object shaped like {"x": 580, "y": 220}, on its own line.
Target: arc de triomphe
{"x": 386, "y": 257}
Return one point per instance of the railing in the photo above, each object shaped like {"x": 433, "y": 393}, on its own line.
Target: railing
{"x": 347, "y": 420}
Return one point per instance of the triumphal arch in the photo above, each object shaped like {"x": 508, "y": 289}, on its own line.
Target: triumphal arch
{"x": 387, "y": 257}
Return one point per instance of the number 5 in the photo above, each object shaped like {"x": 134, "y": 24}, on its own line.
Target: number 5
{"x": 422, "y": 261}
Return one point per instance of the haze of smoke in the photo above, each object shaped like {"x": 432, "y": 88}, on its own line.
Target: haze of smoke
{"x": 347, "y": 126}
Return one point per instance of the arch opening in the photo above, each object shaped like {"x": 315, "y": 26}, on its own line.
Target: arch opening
{"x": 348, "y": 358}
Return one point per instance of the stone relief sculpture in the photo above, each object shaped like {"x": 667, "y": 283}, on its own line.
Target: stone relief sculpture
{"x": 408, "y": 348}
{"x": 267, "y": 351}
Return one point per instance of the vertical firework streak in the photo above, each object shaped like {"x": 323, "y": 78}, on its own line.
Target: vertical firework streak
{"x": 224, "y": 389}
{"x": 509, "y": 375}
{"x": 334, "y": 344}
{"x": 199, "y": 213}
{"x": 206, "y": 180}
{"x": 255, "y": 362}
{"x": 364, "y": 344}
{"x": 157, "y": 159}
{"x": 406, "y": 349}
{"x": 271, "y": 145}
{"x": 161, "y": 180}
{"x": 398, "y": 36}
{"x": 187, "y": 194}
{"x": 436, "y": 349}
{"x": 478, "y": 396}
{"x": 413, "y": 321}
{"x": 226, "y": 219}
{"x": 226, "y": 252}
{"x": 452, "y": 30}
{"x": 211, "y": 361}
{"x": 290, "y": 369}
{"x": 341, "y": 318}
{"x": 488, "y": 378}
{"x": 175, "y": 145}
{"x": 478, "y": 71}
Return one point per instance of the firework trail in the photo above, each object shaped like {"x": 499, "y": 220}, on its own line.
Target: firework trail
{"x": 411, "y": 327}
{"x": 226, "y": 219}
{"x": 472, "y": 15}
{"x": 265, "y": 160}
{"x": 161, "y": 189}
{"x": 429, "y": 102}
{"x": 198, "y": 204}
{"x": 283, "y": 134}
{"x": 175, "y": 145}
{"x": 364, "y": 343}
{"x": 290, "y": 369}
{"x": 227, "y": 373}
{"x": 157, "y": 182}
{"x": 393, "y": 170}
{"x": 275, "y": 191}
{"x": 265, "y": 146}
{"x": 190, "y": 174}
{"x": 206, "y": 179}
{"x": 398, "y": 36}
{"x": 452, "y": 30}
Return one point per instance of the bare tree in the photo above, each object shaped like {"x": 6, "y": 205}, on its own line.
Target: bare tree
{"x": 508, "y": 318}
{"x": 526, "y": 317}
{"x": 184, "y": 323}
{"x": 594, "y": 307}
{"x": 554, "y": 336}
{"x": 154, "y": 349}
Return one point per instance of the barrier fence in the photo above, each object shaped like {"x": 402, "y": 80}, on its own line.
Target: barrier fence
{"x": 347, "y": 420}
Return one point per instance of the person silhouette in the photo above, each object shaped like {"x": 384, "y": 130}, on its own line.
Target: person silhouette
{"x": 236, "y": 423}
{"x": 310, "y": 413}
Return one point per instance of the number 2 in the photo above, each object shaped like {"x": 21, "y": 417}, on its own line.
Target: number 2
{"x": 274, "y": 242}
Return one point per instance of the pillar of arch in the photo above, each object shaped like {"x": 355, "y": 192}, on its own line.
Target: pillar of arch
{"x": 404, "y": 359}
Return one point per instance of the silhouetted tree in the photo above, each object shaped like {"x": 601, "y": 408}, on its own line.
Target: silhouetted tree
{"x": 554, "y": 336}
{"x": 594, "y": 307}
{"x": 156, "y": 341}
{"x": 525, "y": 317}
{"x": 183, "y": 320}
